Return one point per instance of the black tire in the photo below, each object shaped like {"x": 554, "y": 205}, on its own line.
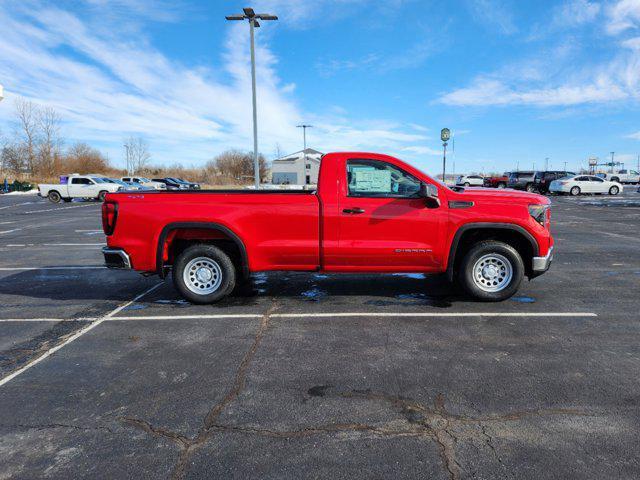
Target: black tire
{"x": 530, "y": 188}
{"x": 67, "y": 200}
{"x": 502, "y": 185}
{"x": 212, "y": 254}
{"x": 615, "y": 179}
{"x": 504, "y": 253}
{"x": 614, "y": 190}
{"x": 54, "y": 197}
{"x": 467, "y": 184}
{"x": 102, "y": 195}
{"x": 575, "y": 191}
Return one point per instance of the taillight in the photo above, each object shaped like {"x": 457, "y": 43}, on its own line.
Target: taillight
{"x": 109, "y": 217}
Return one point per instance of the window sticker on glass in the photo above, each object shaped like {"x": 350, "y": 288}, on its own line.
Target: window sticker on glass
{"x": 371, "y": 180}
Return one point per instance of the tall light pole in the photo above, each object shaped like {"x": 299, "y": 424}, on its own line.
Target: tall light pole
{"x": 546, "y": 163}
{"x": 253, "y": 18}
{"x": 612, "y": 156}
{"x": 304, "y": 144}
{"x": 1, "y": 93}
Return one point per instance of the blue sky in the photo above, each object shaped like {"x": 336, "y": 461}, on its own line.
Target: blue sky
{"x": 516, "y": 81}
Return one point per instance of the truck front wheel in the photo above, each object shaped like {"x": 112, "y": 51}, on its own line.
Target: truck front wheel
{"x": 203, "y": 274}
{"x": 491, "y": 271}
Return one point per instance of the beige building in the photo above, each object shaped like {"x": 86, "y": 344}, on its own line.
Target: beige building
{"x": 299, "y": 168}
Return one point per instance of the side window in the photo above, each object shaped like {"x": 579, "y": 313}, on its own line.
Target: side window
{"x": 80, "y": 181}
{"x": 596, "y": 179}
{"x": 373, "y": 178}
{"x": 126, "y": 179}
{"x": 582, "y": 179}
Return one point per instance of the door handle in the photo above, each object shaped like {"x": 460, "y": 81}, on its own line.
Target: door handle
{"x": 354, "y": 210}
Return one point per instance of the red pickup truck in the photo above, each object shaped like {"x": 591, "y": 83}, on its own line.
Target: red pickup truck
{"x": 370, "y": 213}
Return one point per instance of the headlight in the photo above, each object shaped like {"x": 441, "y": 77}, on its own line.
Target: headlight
{"x": 540, "y": 214}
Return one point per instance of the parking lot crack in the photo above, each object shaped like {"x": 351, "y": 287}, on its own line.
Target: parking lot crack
{"x": 181, "y": 440}
{"x": 188, "y": 445}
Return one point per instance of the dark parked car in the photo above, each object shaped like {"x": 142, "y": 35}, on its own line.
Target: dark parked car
{"x": 171, "y": 184}
{"x": 543, "y": 179}
{"x": 191, "y": 185}
{"x": 522, "y": 181}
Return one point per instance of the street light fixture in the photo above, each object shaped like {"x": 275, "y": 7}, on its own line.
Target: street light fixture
{"x": 253, "y": 18}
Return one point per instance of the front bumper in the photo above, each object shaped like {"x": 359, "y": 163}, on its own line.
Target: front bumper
{"x": 116, "y": 258}
{"x": 539, "y": 265}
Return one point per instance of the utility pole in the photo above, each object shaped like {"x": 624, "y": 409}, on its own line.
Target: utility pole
{"x": 453, "y": 153}
{"x": 250, "y": 15}
{"x": 546, "y": 163}
{"x": 565, "y": 166}
{"x": 304, "y": 144}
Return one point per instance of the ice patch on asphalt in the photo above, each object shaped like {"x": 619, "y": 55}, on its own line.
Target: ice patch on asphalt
{"x": 314, "y": 294}
{"x": 418, "y": 276}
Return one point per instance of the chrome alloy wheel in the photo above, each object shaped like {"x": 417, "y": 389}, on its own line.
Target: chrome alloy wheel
{"x": 492, "y": 272}
{"x": 202, "y": 275}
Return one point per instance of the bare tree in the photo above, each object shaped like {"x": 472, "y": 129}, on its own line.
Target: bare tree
{"x": 48, "y": 122}
{"x": 27, "y": 126}
{"x": 81, "y": 158}
{"x": 136, "y": 152}
{"x": 237, "y": 166}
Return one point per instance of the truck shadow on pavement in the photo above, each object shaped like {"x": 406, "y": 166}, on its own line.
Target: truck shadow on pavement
{"x": 375, "y": 290}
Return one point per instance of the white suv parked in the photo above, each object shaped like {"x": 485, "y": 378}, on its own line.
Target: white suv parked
{"x": 470, "y": 181}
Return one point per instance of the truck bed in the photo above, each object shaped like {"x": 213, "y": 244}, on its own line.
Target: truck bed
{"x": 279, "y": 229}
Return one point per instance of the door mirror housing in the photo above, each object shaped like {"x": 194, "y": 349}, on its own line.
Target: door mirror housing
{"x": 430, "y": 193}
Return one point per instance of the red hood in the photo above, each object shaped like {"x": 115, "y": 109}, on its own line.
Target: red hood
{"x": 498, "y": 195}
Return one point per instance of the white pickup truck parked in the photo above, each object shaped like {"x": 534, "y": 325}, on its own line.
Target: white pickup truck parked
{"x": 621, "y": 176}
{"x": 145, "y": 182}
{"x": 78, "y": 186}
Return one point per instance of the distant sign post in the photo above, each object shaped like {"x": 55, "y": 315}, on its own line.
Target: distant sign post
{"x": 445, "y": 135}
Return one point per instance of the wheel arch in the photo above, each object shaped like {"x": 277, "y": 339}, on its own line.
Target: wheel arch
{"x": 226, "y": 232}
{"x": 471, "y": 233}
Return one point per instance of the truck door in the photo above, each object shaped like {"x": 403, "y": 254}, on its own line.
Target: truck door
{"x": 385, "y": 225}
{"x": 80, "y": 187}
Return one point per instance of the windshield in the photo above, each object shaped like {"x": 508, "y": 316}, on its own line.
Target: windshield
{"x": 98, "y": 180}
{"x": 143, "y": 179}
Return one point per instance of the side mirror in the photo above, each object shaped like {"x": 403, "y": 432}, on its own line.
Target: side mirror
{"x": 430, "y": 193}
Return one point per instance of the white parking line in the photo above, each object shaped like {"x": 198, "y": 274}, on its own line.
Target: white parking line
{"x": 359, "y": 314}
{"x": 84, "y": 267}
{"x": 51, "y": 320}
{"x": 56, "y": 209}
{"x": 9, "y": 231}
{"x": 102, "y": 244}
{"x": 76, "y": 335}
{"x": 113, "y": 318}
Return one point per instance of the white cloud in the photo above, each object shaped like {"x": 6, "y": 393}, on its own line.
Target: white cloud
{"x": 576, "y": 12}
{"x": 109, "y": 83}
{"x": 634, "y": 136}
{"x": 623, "y": 15}
{"x": 556, "y": 78}
{"x": 494, "y": 14}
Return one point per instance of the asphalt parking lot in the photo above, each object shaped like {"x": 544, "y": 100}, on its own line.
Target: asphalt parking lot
{"x": 108, "y": 374}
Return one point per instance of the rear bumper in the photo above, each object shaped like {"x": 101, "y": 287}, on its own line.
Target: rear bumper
{"x": 539, "y": 265}
{"x": 116, "y": 258}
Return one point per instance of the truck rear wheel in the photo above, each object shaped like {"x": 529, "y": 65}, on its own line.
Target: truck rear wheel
{"x": 102, "y": 195}
{"x": 203, "y": 274}
{"x": 491, "y": 271}
{"x": 54, "y": 197}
